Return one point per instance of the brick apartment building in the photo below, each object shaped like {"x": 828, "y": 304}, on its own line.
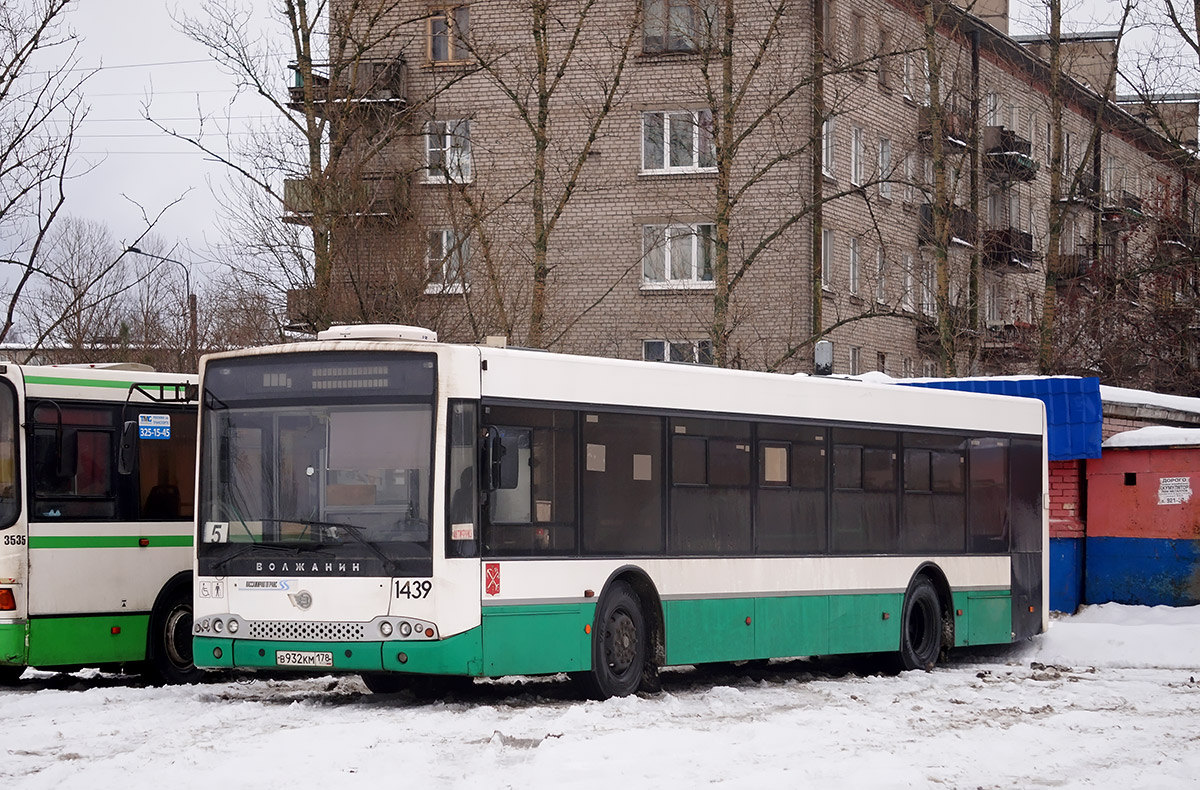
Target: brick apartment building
{"x": 665, "y": 181}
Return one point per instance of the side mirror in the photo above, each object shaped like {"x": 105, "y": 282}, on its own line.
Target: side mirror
{"x": 500, "y": 470}
{"x": 127, "y": 457}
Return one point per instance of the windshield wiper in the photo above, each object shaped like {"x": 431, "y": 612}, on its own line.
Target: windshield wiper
{"x": 221, "y": 563}
{"x": 332, "y": 528}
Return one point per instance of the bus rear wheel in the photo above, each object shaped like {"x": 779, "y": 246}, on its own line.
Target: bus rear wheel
{"x": 921, "y": 626}
{"x": 619, "y": 644}
{"x": 170, "y": 648}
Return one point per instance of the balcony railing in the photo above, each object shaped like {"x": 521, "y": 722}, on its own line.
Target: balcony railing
{"x": 371, "y": 196}
{"x": 956, "y": 126}
{"x": 1007, "y": 156}
{"x": 1005, "y": 247}
{"x": 362, "y": 84}
{"x": 1175, "y": 231}
{"x": 1074, "y": 265}
{"x": 961, "y": 221}
{"x": 1121, "y": 209}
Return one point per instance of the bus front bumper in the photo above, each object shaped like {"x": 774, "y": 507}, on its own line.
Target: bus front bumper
{"x": 461, "y": 654}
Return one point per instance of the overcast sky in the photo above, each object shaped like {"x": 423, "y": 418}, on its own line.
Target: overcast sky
{"x": 142, "y": 58}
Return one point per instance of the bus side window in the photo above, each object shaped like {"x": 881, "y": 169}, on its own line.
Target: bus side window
{"x": 73, "y": 462}
{"x": 461, "y": 484}
{"x": 989, "y": 495}
{"x": 9, "y": 497}
{"x": 533, "y": 510}
{"x": 864, "y": 497}
{"x": 167, "y": 471}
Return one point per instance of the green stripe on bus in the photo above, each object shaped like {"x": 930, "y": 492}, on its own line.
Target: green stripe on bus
{"x": 67, "y": 641}
{"x": 60, "y": 381}
{"x": 106, "y": 541}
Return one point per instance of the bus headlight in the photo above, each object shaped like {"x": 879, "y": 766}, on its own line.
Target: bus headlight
{"x": 385, "y": 628}
{"x": 405, "y": 629}
{"x": 218, "y": 626}
{"x": 233, "y": 626}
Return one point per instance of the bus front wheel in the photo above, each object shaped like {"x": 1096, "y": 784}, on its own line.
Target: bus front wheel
{"x": 170, "y": 648}
{"x": 921, "y": 626}
{"x": 619, "y": 644}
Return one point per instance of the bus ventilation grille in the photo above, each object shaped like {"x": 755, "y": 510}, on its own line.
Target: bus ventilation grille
{"x": 314, "y": 632}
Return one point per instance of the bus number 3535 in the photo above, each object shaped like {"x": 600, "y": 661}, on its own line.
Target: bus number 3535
{"x": 410, "y": 589}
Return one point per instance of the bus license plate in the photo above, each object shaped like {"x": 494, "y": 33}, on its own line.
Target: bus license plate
{"x": 298, "y": 658}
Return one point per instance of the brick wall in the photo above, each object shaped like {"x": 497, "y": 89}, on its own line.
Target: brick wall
{"x": 1066, "y": 499}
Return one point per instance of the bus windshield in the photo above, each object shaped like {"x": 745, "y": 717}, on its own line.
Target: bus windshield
{"x": 329, "y": 458}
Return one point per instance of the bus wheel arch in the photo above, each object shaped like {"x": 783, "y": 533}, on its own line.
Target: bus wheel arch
{"x": 169, "y": 635}
{"x": 926, "y": 621}
{"x": 629, "y": 607}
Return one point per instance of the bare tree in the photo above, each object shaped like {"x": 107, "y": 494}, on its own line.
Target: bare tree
{"x": 40, "y": 110}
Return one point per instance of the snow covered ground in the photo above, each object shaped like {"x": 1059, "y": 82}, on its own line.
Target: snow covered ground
{"x": 1108, "y": 698}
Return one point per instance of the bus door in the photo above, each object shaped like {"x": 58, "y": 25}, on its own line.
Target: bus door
{"x": 14, "y": 535}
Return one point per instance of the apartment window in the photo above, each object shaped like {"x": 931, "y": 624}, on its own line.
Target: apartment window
{"x": 910, "y": 177}
{"x": 929, "y": 368}
{"x": 696, "y": 351}
{"x": 855, "y": 360}
{"x": 448, "y": 30}
{"x": 448, "y": 151}
{"x": 929, "y": 292}
{"x": 885, "y": 58}
{"x": 857, "y": 44}
{"x": 908, "y": 78}
{"x": 994, "y": 297}
{"x": 906, "y": 367}
{"x": 1067, "y": 162}
{"x": 854, "y": 272}
{"x": 677, "y": 256}
{"x": 1110, "y": 176}
{"x": 916, "y": 77}
{"x": 672, "y": 25}
{"x": 829, "y": 27}
{"x": 857, "y": 147}
{"x": 826, "y": 258}
{"x": 927, "y": 181}
{"x": 447, "y": 258}
{"x": 907, "y": 301}
{"x": 828, "y": 146}
{"x": 678, "y": 141}
{"x": 1014, "y": 118}
{"x": 991, "y": 110}
{"x": 880, "y": 276}
{"x": 885, "y": 168}
{"x": 881, "y": 362}
{"x": 1049, "y": 143}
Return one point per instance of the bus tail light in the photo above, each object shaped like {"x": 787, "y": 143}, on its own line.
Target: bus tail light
{"x": 8, "y": 601}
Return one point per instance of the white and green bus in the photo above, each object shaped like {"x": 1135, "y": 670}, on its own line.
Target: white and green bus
{"x": 379, "y": 503}
{"x": 97, "y": 487}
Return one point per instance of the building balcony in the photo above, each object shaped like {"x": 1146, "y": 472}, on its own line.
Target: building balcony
{"x": 1001, "y": 339}
{"x": 373, "y": 196}
{"x": 375, "y": 84}
{"x": 1175, "y": 232}
{"x": 1008, "y": 247}
{"x": 1007, "y": 156}
{"x": 956, "y": 126}
{"x": 962, "y": 226}
{"x": 1084, "y": 191}
{"x": 1074, "y": 265}
{"x": 1121, "y": 209}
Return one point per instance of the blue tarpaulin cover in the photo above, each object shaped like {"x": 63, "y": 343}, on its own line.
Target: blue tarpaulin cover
{"x": 1073, "y": 411}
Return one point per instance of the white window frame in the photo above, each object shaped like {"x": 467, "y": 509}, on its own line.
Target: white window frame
{"x": 991, "y": 109}
{"x": 449, "y": 271}
{"x": 698, "y": 350}
{"x": 910, "y": 177}
{"x": 885, "y": 168}
{"x": 829, "y": 147}
{"x": 929, "y": 291}
{"x": 854, "y": 266}
{"x": 857, "y": 154}
{"x": 880, "y": 276}
{"x": 452, "y": 139}
{"x": 908, "y": 297}
{"x": 855, "y": 360}
{"x": 700, "y": 149}
{"x": 827, "y": 250}
{"x": 665, "y": 239}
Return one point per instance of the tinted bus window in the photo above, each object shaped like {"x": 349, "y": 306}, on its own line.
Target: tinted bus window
{"x": 710, "y": 491}
{"x": 864, "y": 497}
{"x": 622, "y": 483}
{"x": 790, "y": 514}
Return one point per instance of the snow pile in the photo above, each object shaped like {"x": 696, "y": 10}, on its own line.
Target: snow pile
{"x": 1107, "y": 699}
{"x": 1155, "y": 436}
{"x": 1115, "y": 635}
